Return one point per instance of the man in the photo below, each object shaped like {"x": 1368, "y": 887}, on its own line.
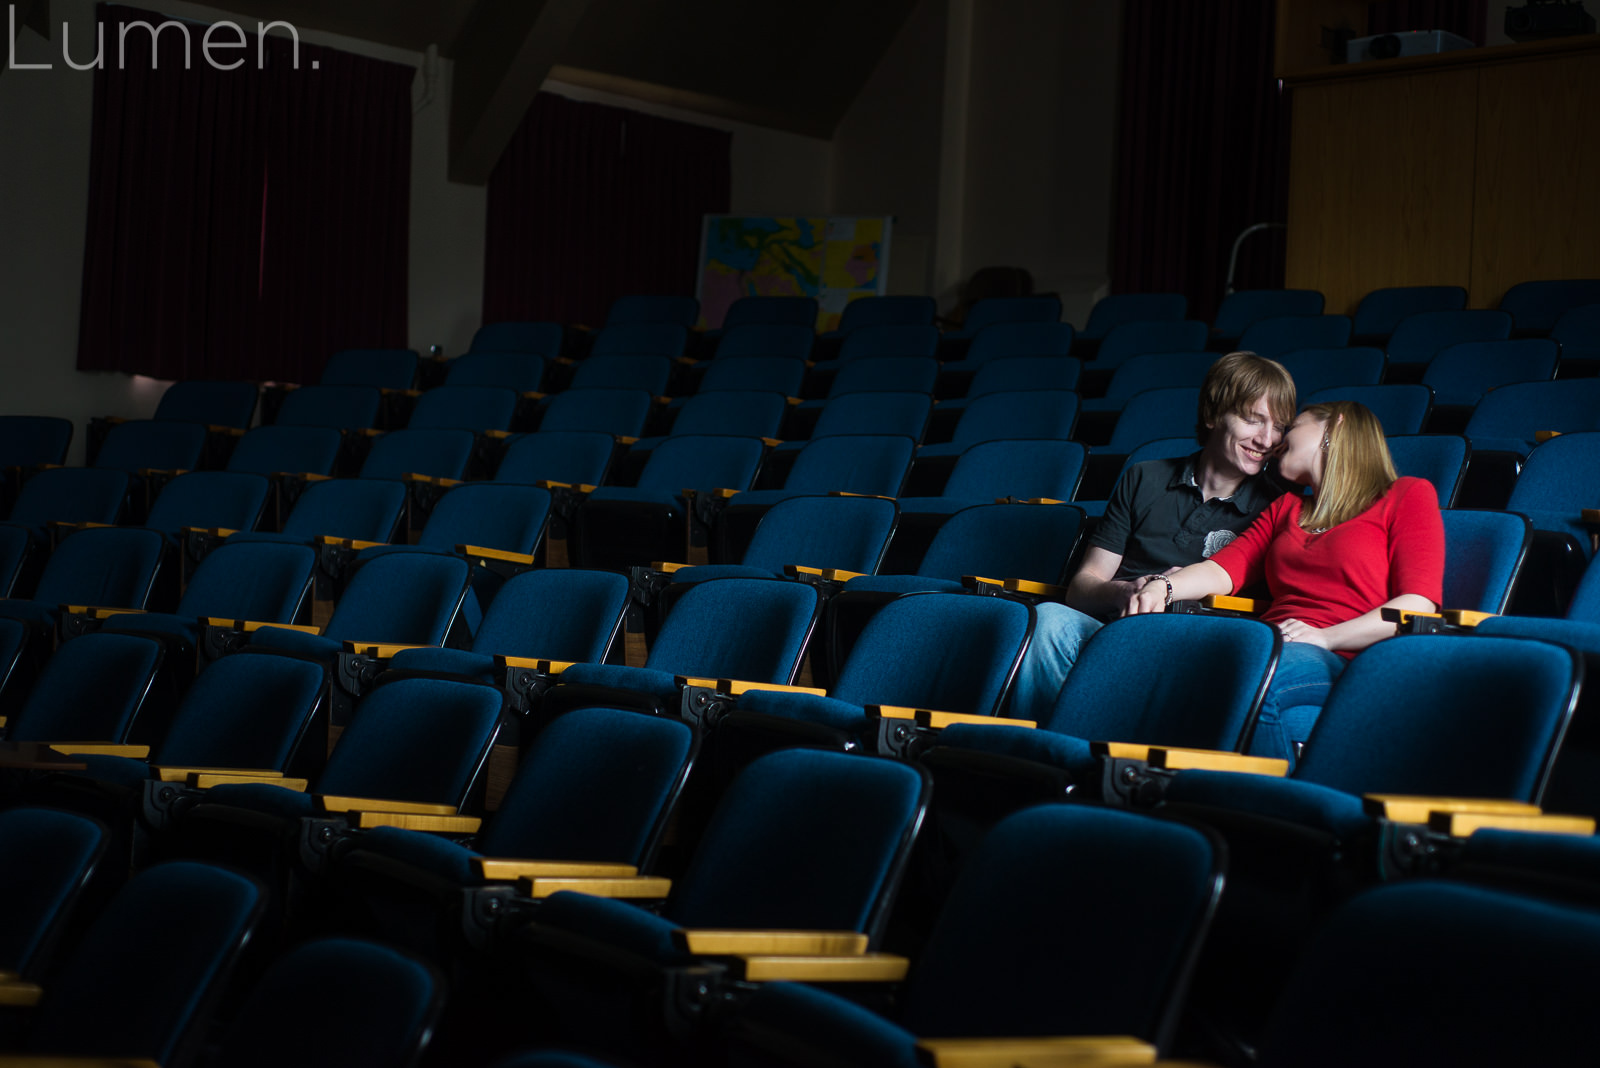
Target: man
{"x": 1166, "y": 514}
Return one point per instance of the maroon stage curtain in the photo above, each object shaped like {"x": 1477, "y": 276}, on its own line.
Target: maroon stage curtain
{"x": 1202, "y": 150}
{"x": 1468, "y": 18}
{"x": 590, "y": 202}
{"x": 242, "y": 223}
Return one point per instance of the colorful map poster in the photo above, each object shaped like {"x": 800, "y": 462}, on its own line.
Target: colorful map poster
{"x": 835, "y": 260}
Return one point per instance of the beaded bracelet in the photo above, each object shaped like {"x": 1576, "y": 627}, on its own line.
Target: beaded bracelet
{"x": 1162, "y": 578}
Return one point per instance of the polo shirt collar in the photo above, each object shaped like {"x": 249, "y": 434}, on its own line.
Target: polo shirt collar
{"x": 1250, "y": 497}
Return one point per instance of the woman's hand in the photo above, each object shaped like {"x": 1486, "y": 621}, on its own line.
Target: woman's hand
{"x": 1151, "y": 596}
{"x": 1295, "y": 631}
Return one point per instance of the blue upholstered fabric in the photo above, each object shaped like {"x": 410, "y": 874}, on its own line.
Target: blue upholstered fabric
{"x": 1418, "y": 337}
{"x": 827, "y": 532}
{"x": 1439, "y": 458}
{"x": 560, "y": 614}
{"x": 789, "y": 311}
{"x": 1537, "y": 306}
{"x": 70, "y": 495}
{"x": 536, "y": 337}
{"x": 48, "y": 855}
{"x": 29, "y": 440}
{"x": 898, "y": 584}
{"x": 1024, "y": 541}
{"x": 1242, "y": 309}
{"x": 1152, "y": 370}
{"x": 262, "y": 581}
{"x": 456, "y": 407}
{"x": 806, "y": 708}
{"x": 1285, "y": 333}
{"x": 1560, "y": 479}
{"x": 904, "y": 414}
{"x": 217, "y": 403}
{"x": 1042, "y": 308}
{"x": 377, "y": 368}
{"x": 1118, "y": 308}
{"x": 1463, "y": 374}
{"x": 263, "y": 798}
{"x": 1509, "y": 417}
{"x": 388, "y": 1004}
{"x": 618, "y": 412}
{"x": 571, "y": 456}
{"x": 435, "y": 452}
{"x": 999, "y": 416}
{"x": 999, "y": 340}
{"x": 624, "y": 372}
{"x": 883, "y": 374}
{"x": 619, "y": 925}
{"x": 1401, "y": 408}
{"x": 409, "y": 598}
{"x": 1024, "y": 469}
{"x": 655, "y": 683}
{"x": 1582, "y": 635}
{"x": 229, "y": 499}
{"x": 1482, "y": 554}
{"x": 1040, "y": 746}
{"x": 1332, "y": 811}
{"x": 1013, "y": 373}
{"x": 1578, "y": 332}
{"x": 772, "y": 623}
{"x": 140, "y": 974}
{"x": 341, "y": 407}
{"x": 779, "y": 374}
{"x": 243, "y": 711}
{"x": 1492, "y": 975}
{"x": 651, "y": 338}
{"x": 1317, "y": 369}
{"x": 1151, "y": 415}
{"x": 522, "y": 371}
{"x": 365, "y": 509}
{"x": 652, "y": 309}
{"x": 1560, "y": 856}
{"x": 143, "y": 443}
{"x": 490, "y": 515}
{"x": 790, "y": 338}
{"x": 266, "y": 450}
{"x": 886, "y": 311}
{"x": 1135, "y": 338}
{"x": 1585, "y": 604}
{"x": 106, "y": 566}
{"x": 1381, "y": 310}
{"x": 89, "y": 690}
{"x": 843, "y": 463}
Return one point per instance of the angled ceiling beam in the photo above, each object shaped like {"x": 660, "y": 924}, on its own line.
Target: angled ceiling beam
{"x": 504, "y": 53}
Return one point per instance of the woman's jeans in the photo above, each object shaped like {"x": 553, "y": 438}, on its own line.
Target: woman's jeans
{"x": 1304, "y": 677}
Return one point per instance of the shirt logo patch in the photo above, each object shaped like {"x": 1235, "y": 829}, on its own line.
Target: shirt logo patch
{"x": 1216, "y": 540}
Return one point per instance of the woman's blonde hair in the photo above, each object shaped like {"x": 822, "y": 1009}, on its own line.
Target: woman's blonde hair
{"x": 1356, "y": 466}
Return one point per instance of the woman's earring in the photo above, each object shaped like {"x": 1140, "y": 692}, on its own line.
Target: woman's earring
{"x": 1326, "y": 441}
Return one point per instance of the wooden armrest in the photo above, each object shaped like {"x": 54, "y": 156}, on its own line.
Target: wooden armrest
{"x": 250, "y": 626}
{"x": 483, "y": 553}
{"x": 98, "y": 611}
{"x": 1416, "y": 808}
{"x": 412, "y": 821}
{"x": 1231, "y": 604}
{"x": 205, "y": 780}
{"x": 66, "y": 1060}
{"x": 413, "y": 476}
{"x": 215, "y": 532}
{"x": 378, "y": 650}
{"x": 802, "y": 968}
{"x": 334, "y": 803}
{"x": 533, "y": 395}
{"x": 1404, "y": 615}
{"x": 16, "y": 994}
{"x": 1542, "y": 436}
{"x": 724, "y": 942}
{"x": 1028, "y": 500}
{"x": 151, "y": 472}
{"x": 972, "y": 582}
{"x": 941, "y": 720}
{"x": 498, "y": 869}
{"x": 1590, "y": 516}
{"x": 1462, "y": 824}
{"x": 135, "y": 752}
{"x": 550, "y": 484}
{"x": 847, "y": 493}
{"x": 1120, "y": 750}
{"x": 723, "y": 492}
{"x": 1465, "y": 617}
{"x": 63, "y": 524}
{"x": 828, "y": 574}
{"x": 1037, "y": 589}
{"x": 772, "y": 443}
{"x": 638, "y": 886}
{"x": 1044, "y": 1050}
{"x": 346, "y": 543}
{"x": 735, "y": 687}
{"x": 229, "y": 431}
{"x": 312, "y": 476}
{"x": 390, "y": 391}
{"x": 623, "y": 439}
{"x": 1214, "y": 760}
{"x": 667, "y": 568}
{"x": 179, "y": 773}
{"x": 891, "y": 711}
{"x": 543, "y": 667}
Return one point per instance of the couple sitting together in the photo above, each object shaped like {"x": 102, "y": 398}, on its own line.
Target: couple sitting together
{"x": 1348, "y": 538}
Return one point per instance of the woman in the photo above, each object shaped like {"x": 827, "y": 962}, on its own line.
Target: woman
{"x": 1365, "y": 539}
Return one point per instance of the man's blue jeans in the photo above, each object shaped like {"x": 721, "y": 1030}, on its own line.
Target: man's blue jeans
{"x": 1058, "y": 635}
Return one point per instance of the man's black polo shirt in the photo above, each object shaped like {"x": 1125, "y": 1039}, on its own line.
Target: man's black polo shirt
{"x": 1156, "y": 518}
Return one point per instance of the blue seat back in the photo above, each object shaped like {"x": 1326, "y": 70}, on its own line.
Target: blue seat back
{"x": 743, "y": 413}
{"x": 887, "y": 311}
{"x": 149, "y": 967}
{"x": 1444, "y": 715}
{"x": 408, "y": 598}
{"x": 71, "y": 495}
{"x": 737, "y": 628}
{"x": 618, "y": 412}
{"x": 649, "y": 309}
{"x": 597, "y": 784}
{"x": 1578, "y": 332}
{"x": 519, "y": 371}
{"x": 756, "y": 862}
{"x": 852, "y": 463}
{"x": 900, "y": 413}
{"x": 557, "y": 613}
{"x": 1119, "y": 308}
{"x": 111, "y": 566}
{"x": 248, "y": 710}
{"x": 1158, "y": 370}
{"x": 624, "y": 372}
{"x": 989, "y": 970}
{"x": 366, "y": 509}
{"x": 641, "y": 339}
{"x": 1439, "y": 458}
{"x": 1236, "y": 656}
{"x": 1241, "y": 310}
{"x": 90, "y": 690}
{"x": 540, "y": 339}
{"x": 1585, "y": 603}
{"x": 437, "y": 453}
{"x": 906, "y": 339}
{"x": 793, "y": 340}
{"x": 27, "y": 440}
{"x": 1560, "y": 479}
{"x": 1419, "y": 337}
{"x": 415, "y": 739}
{"x": 49, "y": 856}
{"x": 992, "y": 310}
{"x": 231, "y": 499}
{"x": 766, "y": 374}
{"x": 264, "y": 581}
{"x": 377, "y": 368}
{"x": 770, "y": 311}
{"x": 1401, "y": 408}
{"x": 1285, "y": 333}
{"x": 944, "y": 651}
{"x": 1537, "y": 306}
{"x": 267, "y": 450}
{"x": 1381, "y": 310}
{"x": 494, "y": 515}
{"x": 1522, "y": 409}
{"x": 1318, "y": 369}
{"x": 1153, "y": 414}
{"x": 1464, "y": 374}
{"x": 1012, "y": 373}
{"x": 702, "y": 462}
{"x": 1483, "y": 553}
{"x": 476, "y": 408}
{"x": 886, "y": 374}
{"x": 570, "y": 456}
{"x": 1136, "y": 338}
{"x": 1020, "y": 339}
{"x": 341, "y": 407}
{"x": 1042, "y": 413}
{"x": 216, "y": 403}
{"x": 1023, "y": 468}
{"x": 1025, "y": 541}
{"x": 141, "y": 443}
{"x": 848, "y": 533}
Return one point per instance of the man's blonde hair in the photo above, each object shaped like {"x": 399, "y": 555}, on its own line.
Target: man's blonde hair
{"x": 1236, "y": 382}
